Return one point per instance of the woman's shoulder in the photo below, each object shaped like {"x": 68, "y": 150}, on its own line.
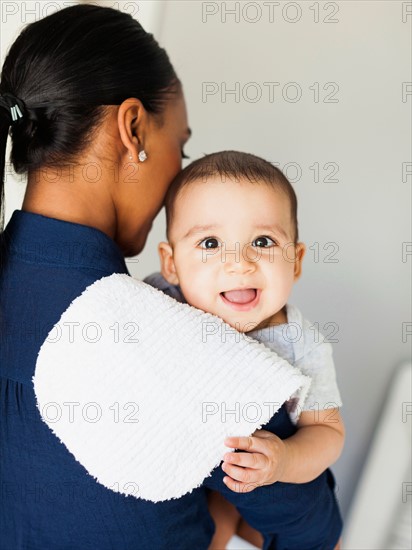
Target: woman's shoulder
{"x": 158, "y": 281}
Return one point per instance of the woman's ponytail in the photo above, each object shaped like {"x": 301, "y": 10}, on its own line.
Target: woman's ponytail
{"x": 12, "y": 111}
{"x": 4, "y": 132}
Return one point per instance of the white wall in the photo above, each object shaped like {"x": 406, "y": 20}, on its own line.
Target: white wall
{"x": 366, "y": 134}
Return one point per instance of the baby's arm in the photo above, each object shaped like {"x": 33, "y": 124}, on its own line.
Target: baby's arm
{"x": 300, "y": 458}
{"x": 315, "y": 446}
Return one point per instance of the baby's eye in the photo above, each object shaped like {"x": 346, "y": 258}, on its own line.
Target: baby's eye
{"x": 209, "y": 242}
{"x": 263, "y": 242}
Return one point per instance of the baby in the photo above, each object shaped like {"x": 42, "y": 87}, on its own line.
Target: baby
{"x": 233, "y": 251}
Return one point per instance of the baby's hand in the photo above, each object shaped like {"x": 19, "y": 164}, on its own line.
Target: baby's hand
{"x": 262, "y": 463}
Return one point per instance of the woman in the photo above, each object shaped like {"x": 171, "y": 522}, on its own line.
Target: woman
{"x": 98, "y": 121}
{"x": 97, "y": 118}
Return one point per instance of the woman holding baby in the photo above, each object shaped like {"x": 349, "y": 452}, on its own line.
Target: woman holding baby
{"x": 99, "y": 127}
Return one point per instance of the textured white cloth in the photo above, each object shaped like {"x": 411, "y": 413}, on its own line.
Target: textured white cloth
{"x": 299, "y": 342}
{"x": 143, "y": 390}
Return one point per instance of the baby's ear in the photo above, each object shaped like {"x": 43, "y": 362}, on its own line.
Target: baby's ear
{"x": 300, "y": 250}
{"x": 167, "y": 263}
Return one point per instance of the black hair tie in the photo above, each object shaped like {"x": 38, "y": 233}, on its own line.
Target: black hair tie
{"x": 14, "y": 106}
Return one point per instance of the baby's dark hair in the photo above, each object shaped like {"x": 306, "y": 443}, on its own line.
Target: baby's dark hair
{"x": 235, "y": 166}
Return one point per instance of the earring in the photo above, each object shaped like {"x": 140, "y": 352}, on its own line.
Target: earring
{"x": 142, "y": 156}
{"x": 131, "y": 156}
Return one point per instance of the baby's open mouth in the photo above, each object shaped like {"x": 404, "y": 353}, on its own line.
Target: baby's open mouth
{"x": 241, "y": 299}
{"x": 240, "y": 296}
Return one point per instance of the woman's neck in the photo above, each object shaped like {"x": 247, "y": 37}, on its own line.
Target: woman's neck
{"x": 66, "y": 194}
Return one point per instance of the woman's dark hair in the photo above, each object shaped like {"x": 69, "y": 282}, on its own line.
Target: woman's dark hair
{"x": 235, "y": 166}
{"x": 64, "y": 69}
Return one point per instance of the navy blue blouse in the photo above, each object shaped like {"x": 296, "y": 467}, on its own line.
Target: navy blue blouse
{"x": 48, "y": 501}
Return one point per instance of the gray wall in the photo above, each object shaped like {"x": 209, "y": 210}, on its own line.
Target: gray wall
{"x": 354, "y": 123}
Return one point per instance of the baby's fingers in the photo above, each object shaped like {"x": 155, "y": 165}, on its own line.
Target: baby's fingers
{"x": 244, "y": 443}
{"x": 239, "y": 487}
{"x": 245, "y": 475}
{"x": 256, "y": 443}
{"x": 256, "y": 461}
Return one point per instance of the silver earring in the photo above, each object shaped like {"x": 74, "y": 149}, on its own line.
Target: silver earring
{"x": 142, "y": 156}
{"x": 131, "y": 156}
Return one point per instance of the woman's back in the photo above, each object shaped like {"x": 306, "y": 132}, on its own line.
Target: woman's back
{"x": 86, "y": 97}
{"x": 48, "y": 499}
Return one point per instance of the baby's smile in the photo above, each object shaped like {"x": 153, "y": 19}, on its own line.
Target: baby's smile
{"x": 241, "y": 299}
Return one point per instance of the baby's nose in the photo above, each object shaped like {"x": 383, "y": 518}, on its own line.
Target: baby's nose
{"x": 239, "y": 260}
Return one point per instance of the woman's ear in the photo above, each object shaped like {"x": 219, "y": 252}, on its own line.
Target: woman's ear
{"x": 167, "y": 263}
{"x": 300, "y": 250}
{"x": 131, "y": 120}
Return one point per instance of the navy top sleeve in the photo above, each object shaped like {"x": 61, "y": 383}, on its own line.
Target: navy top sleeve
{"x": 48, "y": 500}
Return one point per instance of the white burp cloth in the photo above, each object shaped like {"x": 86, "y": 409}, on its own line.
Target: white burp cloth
{"x": 143, "y": 390}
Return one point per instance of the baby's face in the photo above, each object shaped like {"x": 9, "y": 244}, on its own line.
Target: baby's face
{"x": 232, "y": 251}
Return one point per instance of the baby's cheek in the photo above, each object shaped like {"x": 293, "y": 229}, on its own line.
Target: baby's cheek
{"x": 193, "y": 292}
{"x": 287, "y": 279}
{"x": 199, "y": 294}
